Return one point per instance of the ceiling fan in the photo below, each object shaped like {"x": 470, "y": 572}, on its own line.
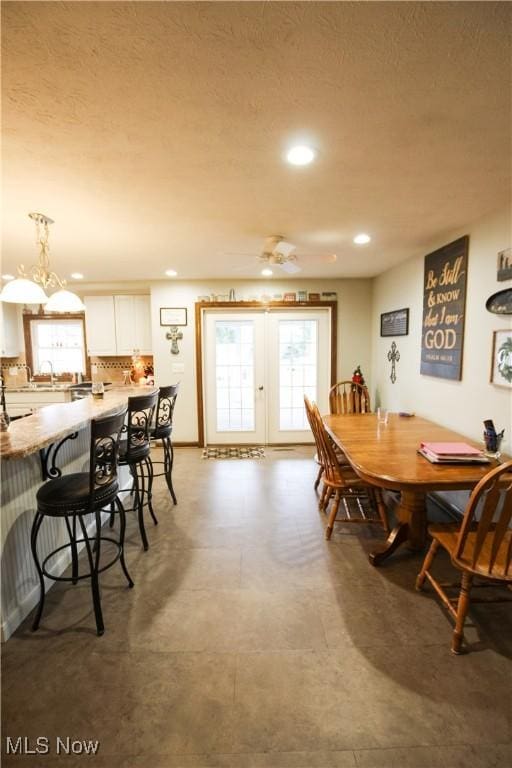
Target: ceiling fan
{"x": 278, "y": 252}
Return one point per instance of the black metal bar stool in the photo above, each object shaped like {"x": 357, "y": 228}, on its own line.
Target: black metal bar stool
{"x": 162, "y": 430}
{"x": 134, "y": 452}
{"x": 73, "y": 497}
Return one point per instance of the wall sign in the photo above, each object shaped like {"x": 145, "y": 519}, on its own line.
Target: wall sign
{"x": 173, "y": 316}
{"x": 500, "y": 303}
{"x": 394, "y": 323}
{"x": 444, "y": 307}
{"x": 505, "y": 264}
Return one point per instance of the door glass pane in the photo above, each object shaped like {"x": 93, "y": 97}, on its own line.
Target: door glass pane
{"x": 234, "y": 374}
{"x": 297, "y": 371}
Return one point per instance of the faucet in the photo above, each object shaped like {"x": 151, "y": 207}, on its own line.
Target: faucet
{"x": 29, "y": 373}
{"x": 52, "y": 374}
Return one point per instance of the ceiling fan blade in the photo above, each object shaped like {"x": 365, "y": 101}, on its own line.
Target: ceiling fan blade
{"x": 291, "y": 267}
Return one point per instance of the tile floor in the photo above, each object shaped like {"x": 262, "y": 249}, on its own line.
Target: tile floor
{"x": 250, "y": 642}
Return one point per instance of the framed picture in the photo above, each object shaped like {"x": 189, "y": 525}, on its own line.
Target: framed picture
{"x": 302, "y": 296}
{"x": 395, "y": 323}
{"x": 314, "y": 297}
{"x": 501, "y": 363}
{"x": 505, "y": 264}
{"x": 290, "y": 296}
{"x": 173, "y": 316}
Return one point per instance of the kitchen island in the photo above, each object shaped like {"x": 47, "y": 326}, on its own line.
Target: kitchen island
{"x": 53, "y": 440}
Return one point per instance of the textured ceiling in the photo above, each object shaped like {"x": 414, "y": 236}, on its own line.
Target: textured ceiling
{"x": 153, "y": 133}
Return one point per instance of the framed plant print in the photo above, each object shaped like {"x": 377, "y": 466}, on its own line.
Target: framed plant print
{"x": 501, "y": 363}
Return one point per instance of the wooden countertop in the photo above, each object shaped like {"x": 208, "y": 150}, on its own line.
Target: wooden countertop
{"x": 53, "y": 422}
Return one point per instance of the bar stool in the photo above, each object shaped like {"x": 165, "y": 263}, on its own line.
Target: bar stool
{"x": 73, "y": 497}
{"x": 163, "y": 430}
{"x": 134, "y": 452}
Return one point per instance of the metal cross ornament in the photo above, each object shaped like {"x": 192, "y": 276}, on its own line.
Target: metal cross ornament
{"x": 393, "y": 357}
{"x": 174, "y": 336}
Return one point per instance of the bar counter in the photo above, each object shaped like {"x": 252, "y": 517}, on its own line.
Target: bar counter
{"x": 54, "y": 439}
{"x": 54, "y": 422}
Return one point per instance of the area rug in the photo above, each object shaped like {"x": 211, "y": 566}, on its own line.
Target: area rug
{"x": 236, "y": 452}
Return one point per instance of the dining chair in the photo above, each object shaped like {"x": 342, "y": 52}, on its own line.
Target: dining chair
{"x": 341, "y": 483}
{"x": 479, "y": 546}
{"x": 349, "y": 397}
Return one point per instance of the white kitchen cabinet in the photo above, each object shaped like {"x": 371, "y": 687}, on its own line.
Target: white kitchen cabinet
{"x": 20, "y": 403}
{"x": 133, "y": 324}
{"x": 117, "y": 325}
{"x": 100, "y": 325}
{"x": 10, "y": 342}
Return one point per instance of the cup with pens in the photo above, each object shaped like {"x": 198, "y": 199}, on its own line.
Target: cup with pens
{"x": 492, "y": 440}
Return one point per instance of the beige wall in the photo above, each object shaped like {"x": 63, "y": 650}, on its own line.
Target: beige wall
{"x": 354, "y": 320}
{"x": 461, "y": 405}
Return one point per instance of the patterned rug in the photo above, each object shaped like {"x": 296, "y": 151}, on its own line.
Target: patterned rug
{"x": 237, "y": 452}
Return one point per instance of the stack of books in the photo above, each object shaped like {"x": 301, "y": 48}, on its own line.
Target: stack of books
{"x": 452, "y": 453}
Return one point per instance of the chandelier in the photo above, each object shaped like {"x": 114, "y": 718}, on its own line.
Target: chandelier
{"x": 31, "y": 285}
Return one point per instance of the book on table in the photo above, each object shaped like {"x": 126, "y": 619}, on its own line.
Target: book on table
{"x": 452, "y": 453}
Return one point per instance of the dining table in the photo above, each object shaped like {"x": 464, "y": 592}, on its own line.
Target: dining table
{"x": 386, "y": 455}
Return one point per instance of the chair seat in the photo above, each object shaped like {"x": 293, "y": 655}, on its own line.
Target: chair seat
{"x": 158, "y": 432}
{"x": 447, "y": 535}
{"x": 135, "y": 454}
{"x": 70, "y": 494}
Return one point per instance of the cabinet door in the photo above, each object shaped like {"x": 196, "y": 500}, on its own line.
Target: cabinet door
{"x": 142, "y": 311}
{"x": 133, "y": 324}
{"x": 10, "y": 345}
{"x": 100, "y": 325}
{"x": 126, "y": 331}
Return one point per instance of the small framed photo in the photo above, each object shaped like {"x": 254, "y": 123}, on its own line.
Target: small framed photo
{"x": 302, "y": 296}
{"x": 173, "y": 316}
{"x": 290, "y": 296}
{"x": 314, "y": 297}
{"x": 505, "y": 264}
{"x": 395, "y": 323}
{"x": 501, "y": 363}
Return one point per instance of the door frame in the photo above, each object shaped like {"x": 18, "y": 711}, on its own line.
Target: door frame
{"x": 202, "y": 306}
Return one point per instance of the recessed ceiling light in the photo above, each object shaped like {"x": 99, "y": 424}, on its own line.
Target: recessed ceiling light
{"x": 171, "y": 272}
{"x": 7, "y": 277}
{"x": 362, "y": 239}
{"x": 77, "y": 276}
{"x": 300, "y": 155}
{"x": 266, "y": 272}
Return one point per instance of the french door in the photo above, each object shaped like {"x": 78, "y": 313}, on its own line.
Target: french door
{"x": 258, "y": 365}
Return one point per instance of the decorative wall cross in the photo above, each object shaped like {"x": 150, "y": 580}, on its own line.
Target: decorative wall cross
{"x": 393, "y": 357}
{"x": 174, "y": 336}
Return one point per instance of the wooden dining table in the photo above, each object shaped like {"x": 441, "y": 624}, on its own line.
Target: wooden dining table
{"x": 386, "y": 455}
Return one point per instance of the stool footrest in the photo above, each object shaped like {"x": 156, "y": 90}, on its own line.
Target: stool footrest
{"x": 87, "y": 575}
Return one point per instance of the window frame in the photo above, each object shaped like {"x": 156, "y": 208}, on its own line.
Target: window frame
{"x": 28, "y": 317}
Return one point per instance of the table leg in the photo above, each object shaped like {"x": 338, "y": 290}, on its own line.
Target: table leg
{"x": 411, "y": 527}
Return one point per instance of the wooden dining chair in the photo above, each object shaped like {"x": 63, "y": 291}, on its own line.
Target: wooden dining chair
{"x": 342, "y": 484}
{"x": 480, "y": 546}
{"x": 349, "y": 397}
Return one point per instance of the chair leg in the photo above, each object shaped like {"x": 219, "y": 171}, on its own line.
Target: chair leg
{"x": 462, "y": 610}
{"x": 427, "y": 563}
{"x": 122, "y": 529}
{"x": 149, "y": 466}
{"x": 168, "y": 463}
{"x": 139, "y": 504}
{"x": 93, "y": 566}
{"x": 332, "y": 516}
{"x": 112, "y": 516}
{"x": 74, "y": 551}
{"x": 381, "y": 509}
{"x": 318, "y": 477}
{"x": 38, "y": 519}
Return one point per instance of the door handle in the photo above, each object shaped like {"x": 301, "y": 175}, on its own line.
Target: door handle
{"x": 260, "y": 388}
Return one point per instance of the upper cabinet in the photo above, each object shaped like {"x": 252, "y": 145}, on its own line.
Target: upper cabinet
{"x": 133, "y": 324}
{"x": 117, "y": 325}
{"x": 10, "y": 339}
